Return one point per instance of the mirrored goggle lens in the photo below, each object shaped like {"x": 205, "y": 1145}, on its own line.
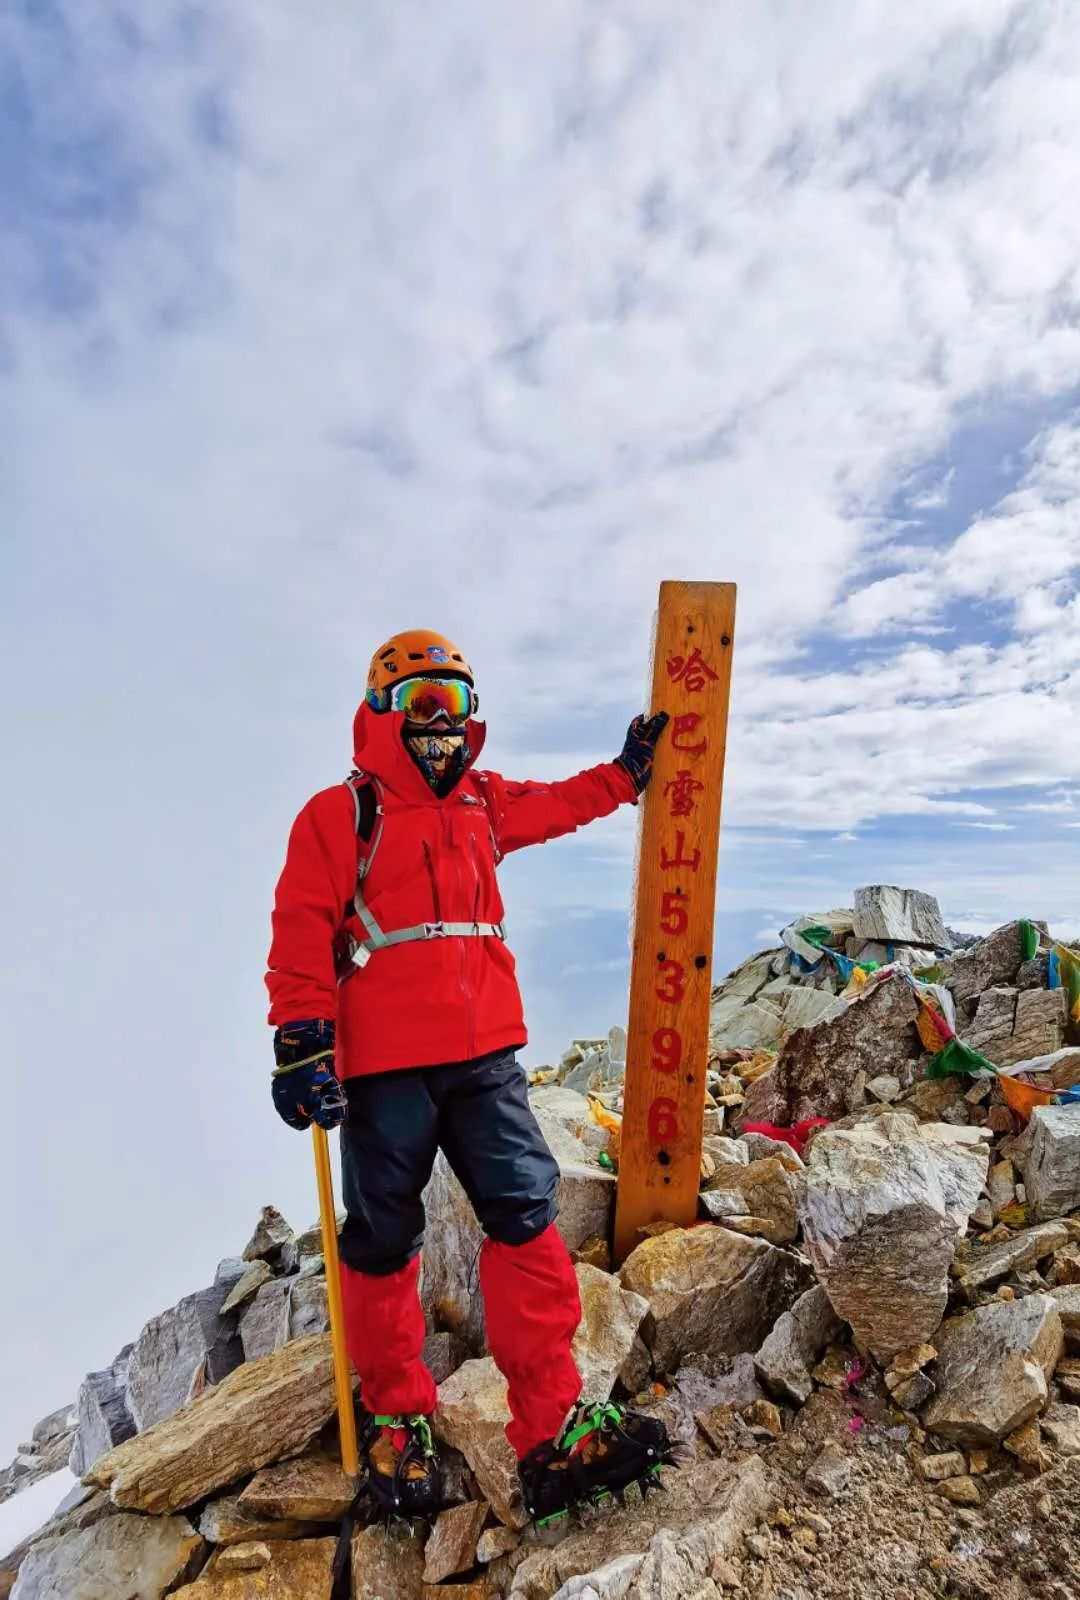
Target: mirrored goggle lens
{"x": 424, "y": 699}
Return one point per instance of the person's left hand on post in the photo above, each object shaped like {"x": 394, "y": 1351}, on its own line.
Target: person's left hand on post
{"x": 639, "y": 751}
{"x": 304, "y": 1086}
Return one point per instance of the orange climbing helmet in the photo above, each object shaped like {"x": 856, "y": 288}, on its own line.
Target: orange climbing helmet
{"x": 410, "y": 654}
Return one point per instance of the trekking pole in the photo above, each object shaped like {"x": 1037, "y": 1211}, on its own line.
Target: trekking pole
{"x": 350, "y": 1459}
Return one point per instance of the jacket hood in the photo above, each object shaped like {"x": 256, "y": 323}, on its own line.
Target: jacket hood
{"x": 378, "y": 747}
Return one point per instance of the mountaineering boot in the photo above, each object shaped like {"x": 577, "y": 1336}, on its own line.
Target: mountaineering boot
{"x": 402, "y": 1466}
{"x": 602, "y": 1450}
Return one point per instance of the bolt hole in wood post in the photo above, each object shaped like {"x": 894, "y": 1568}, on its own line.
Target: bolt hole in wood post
{"x": 671, "y": 973}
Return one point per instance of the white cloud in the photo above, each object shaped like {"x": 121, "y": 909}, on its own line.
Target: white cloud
{"x": 935, "y": 495}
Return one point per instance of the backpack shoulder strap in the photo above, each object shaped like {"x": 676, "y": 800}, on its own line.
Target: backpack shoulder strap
{"x": 367, "y": 795}
{"x": 365, "y": 804}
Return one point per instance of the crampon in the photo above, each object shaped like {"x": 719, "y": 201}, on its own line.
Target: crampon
{"x": 402, "y": 1466}
{"x": 603, "y": 1449}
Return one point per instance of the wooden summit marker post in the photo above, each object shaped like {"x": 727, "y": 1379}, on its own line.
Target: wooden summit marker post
{"x": 671, "y": 975}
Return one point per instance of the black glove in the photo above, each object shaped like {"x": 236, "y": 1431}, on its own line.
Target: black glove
{"x": 304, "y": 1087}
{"x": 638, "y": 752}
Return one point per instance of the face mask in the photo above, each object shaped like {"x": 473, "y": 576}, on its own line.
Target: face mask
{"x": 441, "y": 756}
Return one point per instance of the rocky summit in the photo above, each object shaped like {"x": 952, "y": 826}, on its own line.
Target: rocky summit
{"x": 867, "y": 1352}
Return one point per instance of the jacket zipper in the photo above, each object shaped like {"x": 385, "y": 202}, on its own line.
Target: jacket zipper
{"x": 463, "y": 981}
{"x": 434, "y": 884}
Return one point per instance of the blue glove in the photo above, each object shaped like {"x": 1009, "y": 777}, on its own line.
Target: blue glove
{"x": 304, "y": 1087}
{"x": 639, "y": 751}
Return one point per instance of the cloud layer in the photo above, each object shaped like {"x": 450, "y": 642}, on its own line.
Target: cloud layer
{"x": 314, "y": 327}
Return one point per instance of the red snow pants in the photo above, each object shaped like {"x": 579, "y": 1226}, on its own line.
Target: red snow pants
{"x": 478, "y": 1112}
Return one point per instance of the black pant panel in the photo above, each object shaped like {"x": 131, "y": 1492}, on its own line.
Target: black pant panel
{"x": 479, "y": 1112}
{"x": 388, "y": 1148}
{"x": 494, "y": 1144}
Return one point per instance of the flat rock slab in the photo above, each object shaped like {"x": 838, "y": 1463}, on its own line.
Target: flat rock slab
{"x": 794, "y": 1345}
{"x": 451, "y": 1546}
{"x": 301, "y": 1571}
{"x": 251, "y": 1279}
{"x": 224, "y": 1522}
{"x": 478, "y": 1589}
{"x": 1052, "y": 1160}
{"x": 610, "y": 1319}
{"x": 899, "y": 916}
{"x": 993, "y": 1369}
{"x": 1023, "y": 1250}
{"x": 882, "y": 1208}
{"x": 310, "y": 1488}
{"x": 386, "y": 1567}
{"x": 710, "y": 1291}
{"x": 263, "y": 1411}
{"x": 765, "y": 1189}
{"x": 472, "y": 1417}
{"x": 133, "y": 1557}
{"x": 662, "y": 1550}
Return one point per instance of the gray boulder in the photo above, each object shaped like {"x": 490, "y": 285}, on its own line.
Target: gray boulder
{"x": 664, "y": 1550}
{"x": 710, "y": 1292}
{"x": 178, "y": 1353}
{"x": 1051, "y": 1160}
{"x": 986, "y": 964}
{"x": 991, "y": 1262}
{"x": 1012, "y": 1025}
{"x": 138, "y": 1558}
{"x": 993, "y": 1369}
{"x": 264, "y": 1321}
{"x": 52, "y": 1427}
{"x": 882, "y": 1207}
{"x": 309, "y": 1311}
{"x": 610, "y": 1319}
{"x": 899, "y": 916}
{"x": 273, "y": 1241}
{"x": 104, "y": 1417}
{"x": 794, "y": 1345}
{"x": 822, "y": 1071}
{"x": 283, "y": 1309}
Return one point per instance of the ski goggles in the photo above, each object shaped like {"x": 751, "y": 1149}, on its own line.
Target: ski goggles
{"x": 424, "y": 699}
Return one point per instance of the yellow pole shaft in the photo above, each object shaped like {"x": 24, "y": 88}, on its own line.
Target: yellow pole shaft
{"x": 350, "y": 1458}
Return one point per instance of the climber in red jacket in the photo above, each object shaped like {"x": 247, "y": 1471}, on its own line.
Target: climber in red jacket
{"x": 397, "y": 1011}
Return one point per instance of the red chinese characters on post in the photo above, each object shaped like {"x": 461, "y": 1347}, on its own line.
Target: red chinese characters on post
{"x": 682, "y": 789}
{"x": 693, "y": 671}
{"x": 672, "y": 986}
{"x": 683, "y": 728}
{"x": 680, "y": 858}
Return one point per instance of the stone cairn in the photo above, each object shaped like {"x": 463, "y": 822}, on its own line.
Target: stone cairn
{"x": 868, "y": 1351}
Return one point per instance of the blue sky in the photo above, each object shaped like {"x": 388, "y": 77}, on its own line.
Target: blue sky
{"x": 488, "y": 320}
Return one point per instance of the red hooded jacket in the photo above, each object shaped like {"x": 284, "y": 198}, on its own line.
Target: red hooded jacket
{"x": 430, "y": 1000}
